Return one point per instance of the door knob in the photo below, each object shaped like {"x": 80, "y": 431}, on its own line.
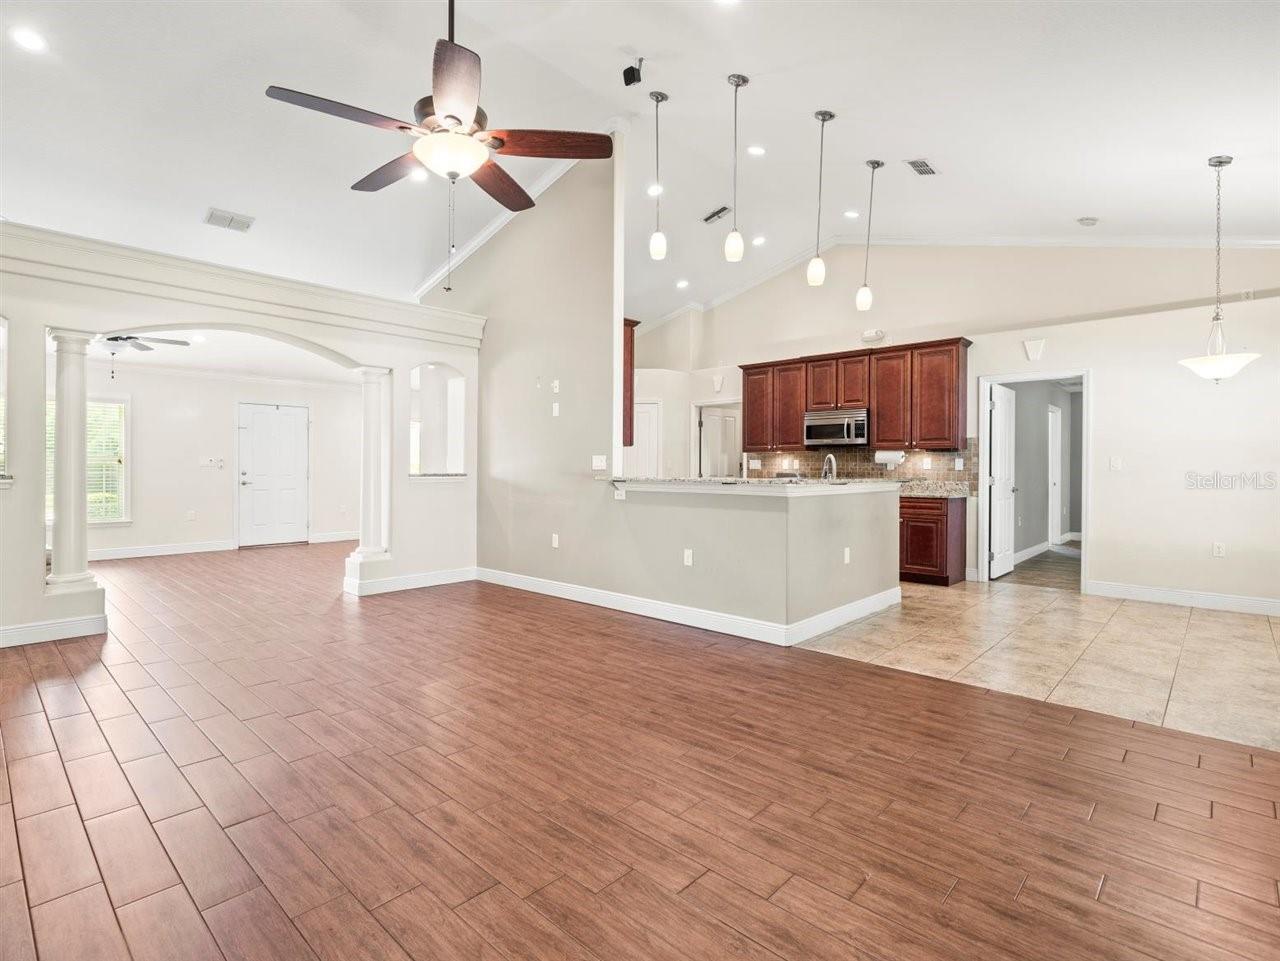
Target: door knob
{"x": 1013, "y": 490}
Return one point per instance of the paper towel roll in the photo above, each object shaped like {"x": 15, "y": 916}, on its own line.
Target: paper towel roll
{"x": 890, "y": 458}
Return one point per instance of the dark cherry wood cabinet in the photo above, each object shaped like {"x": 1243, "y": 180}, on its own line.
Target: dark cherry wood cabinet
{"x": 853, "y": 387}
{"x": 822, "y": 390}
{"x": 788, "y": 406}
{"x": 931, "y": 539}
{"x": 757, "y": 408}
{"x": 629, "y": 381}
{"x": 938, "y": 389}
{"x": 890, "y": 399}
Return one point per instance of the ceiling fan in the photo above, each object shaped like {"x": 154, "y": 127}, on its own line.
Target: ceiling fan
{"x": 453, "y": 138}
{"x": 119, "y": 342}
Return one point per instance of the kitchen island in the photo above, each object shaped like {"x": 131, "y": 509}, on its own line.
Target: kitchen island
{"x": 773, "y": 560}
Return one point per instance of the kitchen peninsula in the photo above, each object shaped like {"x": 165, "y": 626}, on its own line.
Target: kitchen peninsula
{"x": 773, "y": 560}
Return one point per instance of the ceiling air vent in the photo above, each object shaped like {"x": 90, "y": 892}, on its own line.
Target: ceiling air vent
{"x": 715, "y": 215}
{"x": 225, "y": 218}
{"x": 921, "y": 167}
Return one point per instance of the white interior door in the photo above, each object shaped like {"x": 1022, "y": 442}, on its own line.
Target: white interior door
{"x": 641, "y": 458}
{"x": 1002, "y": 479}
{"x": 1055, "y": 475}
{"x": 721, "y": 441}
{"x": 273, "y": 474}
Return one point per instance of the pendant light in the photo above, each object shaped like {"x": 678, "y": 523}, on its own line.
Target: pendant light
{"x": 1217, "y": 364}
{"x": 816, "y": 272}
{"x": 733, "y": 246}
{"x": 863, "y": 298}
{"x": 657, "y": 240}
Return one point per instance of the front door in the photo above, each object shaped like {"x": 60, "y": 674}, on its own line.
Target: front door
{"x": 273, "y": 474}
{"x": 1002, "y": 480}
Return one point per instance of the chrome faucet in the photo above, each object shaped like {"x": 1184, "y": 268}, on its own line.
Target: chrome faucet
{"x": 829, "y": 467}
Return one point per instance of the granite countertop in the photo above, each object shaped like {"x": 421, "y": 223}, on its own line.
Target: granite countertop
{"x": 778, "y": 486}
{"x": 921, "y": 488}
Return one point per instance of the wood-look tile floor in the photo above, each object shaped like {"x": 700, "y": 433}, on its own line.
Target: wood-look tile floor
{"x": 1056, "y": 567}
{"x": 253, "y": 766}
{"x": 1203, "y": 672}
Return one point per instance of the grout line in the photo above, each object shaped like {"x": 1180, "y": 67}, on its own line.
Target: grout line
{"x": 1174, "y": 680}
{"x": 1098, "y": 895}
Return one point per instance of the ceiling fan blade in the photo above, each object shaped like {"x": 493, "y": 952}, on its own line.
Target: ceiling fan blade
{"x": 497, "y": 183}
{"x": 565, "y": 144}
{"x": 138, "y": 345}
{"x": 388, "y": 173}
{"x": 335, "y": 109}
{"x": 165, "y": 340}
{"x": 455, "y": 83}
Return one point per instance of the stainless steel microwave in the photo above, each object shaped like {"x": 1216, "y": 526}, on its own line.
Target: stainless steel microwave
{"x": 831, "y": 428}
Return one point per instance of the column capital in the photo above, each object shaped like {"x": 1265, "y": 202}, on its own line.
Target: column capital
{"x": 371, "y": 374}
{"x": 74, "y": 341}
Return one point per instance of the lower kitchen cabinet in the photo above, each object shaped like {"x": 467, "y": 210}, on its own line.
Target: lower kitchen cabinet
{"x": 931, "y": 539}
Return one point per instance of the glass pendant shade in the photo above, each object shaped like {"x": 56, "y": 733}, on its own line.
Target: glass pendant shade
{"x": 450, "y": 155}
{"x": 1217, "y": 364}
{"x": 816, "y": 272}
{"x": 733, "y": 247}
{"x": 657, "y": 245}
{"x": 862, "y": 300}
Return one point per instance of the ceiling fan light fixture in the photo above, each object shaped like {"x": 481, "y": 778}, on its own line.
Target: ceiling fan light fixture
{"x": 450, "y": 155}
{"x": 816, "y": 272}
{"x": 657, "y": 245}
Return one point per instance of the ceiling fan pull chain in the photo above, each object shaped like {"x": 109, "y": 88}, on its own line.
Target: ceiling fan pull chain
{"x": 448, "y": 277}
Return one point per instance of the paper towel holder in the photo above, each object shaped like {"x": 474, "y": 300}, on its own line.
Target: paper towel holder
{"x": 890, "y": 458}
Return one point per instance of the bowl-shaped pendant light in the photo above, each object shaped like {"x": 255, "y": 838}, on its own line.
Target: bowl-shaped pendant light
{"x": 816, "y": 272}
{"x": 1217, "y": 364}
{"x": 862, "y": 300}
{"x": 733, "y": 245}
{"x": 657, "y": 240}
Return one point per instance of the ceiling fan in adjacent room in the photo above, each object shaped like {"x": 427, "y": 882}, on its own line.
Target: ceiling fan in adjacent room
{"x": 118, "y": 342}
{"x": 453, "y": 138}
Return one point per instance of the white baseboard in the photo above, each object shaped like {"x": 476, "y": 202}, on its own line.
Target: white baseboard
{"x": 53, "y": 630}
{"x": 406, "y": 582}
{"x": 1072, "y": 536}
{"x": 331, "y": 536}
{"x": 1169, "y": 595}
{"x": 754, "y": 629}
{"x": 970, "y": 573}
{"x": 1030, "y": 552}
{"x": 159, "y": 550}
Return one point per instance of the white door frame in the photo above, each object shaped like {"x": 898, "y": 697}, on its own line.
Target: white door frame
{"x": 984, "y": 461}
{"x": 695, "y": 414}
{"x": 235, "y": 472}
{"x": 1054, "y": 492}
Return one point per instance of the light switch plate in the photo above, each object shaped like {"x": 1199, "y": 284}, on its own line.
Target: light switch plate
{"x": 1116, "y": 463}
{"x": 926, "y": 463}
{"x": 959, "y": 463}
{"x": 846, "y": 555}
{"x": 555, "y": 540}
{"x": 555, "y": 408}
{"x": 599, "y": 462}
{"x": 753, "y": 465}
{"x": 688, "y": 557}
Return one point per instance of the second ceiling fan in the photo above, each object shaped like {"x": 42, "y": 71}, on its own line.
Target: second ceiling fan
{"x": 452, "y": 134}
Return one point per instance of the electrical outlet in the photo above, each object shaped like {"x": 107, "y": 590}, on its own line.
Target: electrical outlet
{"x": 753, "y": 465}
{"x": 191, "y": 515}
{"x": 555, "y": 408}
{"x": 555, "y": 387}
{"x": 926, "y": 463}
{"x": 1116, "y": 463}
{"x": 1019, "y": 520}
{"x": 555, "y": 540}
{"x": 959, "y": 463}
{"x": 619, "y": 494}
{"x": 1219, "y": 550}
{"x": 599, "y": 462}
{"x": 688, "y": 557}
{"x": 846, "y": 555}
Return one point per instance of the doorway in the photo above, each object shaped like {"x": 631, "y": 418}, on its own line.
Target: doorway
{"x": 1033, "y": 459}
{"x": 643, "y": 459}
{"x": 273, "y": 475}
{"x": 717, "y": 450}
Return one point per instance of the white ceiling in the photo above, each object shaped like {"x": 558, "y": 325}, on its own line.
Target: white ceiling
{"x": 143, "y": 115}
{"x": 227, "y": 352}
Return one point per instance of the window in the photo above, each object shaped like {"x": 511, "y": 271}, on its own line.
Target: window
{"x": 437, "y": 421}
{"x": 106, "y": 437}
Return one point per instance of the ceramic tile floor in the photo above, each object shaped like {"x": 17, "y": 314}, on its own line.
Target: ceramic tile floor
{"x": 1206, "y": 672}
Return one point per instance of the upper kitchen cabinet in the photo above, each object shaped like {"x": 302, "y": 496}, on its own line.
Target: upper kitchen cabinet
{"x": 757, "y": 408}
{"x": 938, "y": 389}
{"x": 853, "y": 386}
{"x": 788, "y": 406}
{"x": 890, "y": 399}
{"x": 822, "y": 384}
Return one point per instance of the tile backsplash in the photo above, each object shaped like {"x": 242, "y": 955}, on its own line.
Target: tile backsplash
{"x": 860, "y": 462}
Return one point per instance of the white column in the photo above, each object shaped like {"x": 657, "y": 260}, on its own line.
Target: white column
{"x": 70, "y": 505}
{"x": 374, "y": 461}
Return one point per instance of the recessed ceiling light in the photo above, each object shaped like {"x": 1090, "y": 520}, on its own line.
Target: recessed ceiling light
{"x": 654, "y": 190}
{"x": 756, "y": 150}
{"x": 29, "y": 40}
{"x": 851, "y": 214}
{"x": 418, "y": 174}
{"x": 1088, "y": 221}
{"x": 757, "y": 240}
{"x": 681, "y": 284}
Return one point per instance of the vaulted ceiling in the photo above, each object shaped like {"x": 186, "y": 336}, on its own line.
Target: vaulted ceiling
{"x": 141, "y": 116}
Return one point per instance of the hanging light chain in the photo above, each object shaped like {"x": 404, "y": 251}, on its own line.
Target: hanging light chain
{"x": 448, "y": 277}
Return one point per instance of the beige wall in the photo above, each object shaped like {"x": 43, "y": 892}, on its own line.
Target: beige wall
{"x": 671, "y": 388}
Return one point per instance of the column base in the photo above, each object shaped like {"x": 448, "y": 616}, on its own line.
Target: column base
{"x": 70, "y": 583}
{"x": 362, "y": 567}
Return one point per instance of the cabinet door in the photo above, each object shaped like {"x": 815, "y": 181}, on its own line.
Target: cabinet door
{"x": 788, "y": 406}
{"x": 822, "y": 385}
{"x": 922, "y": 545}
{"x": 757, "y": 408}
{"x": 937, "y": 402}
{"x": 852, "y": 387}
{"x": 890, "y": 399}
